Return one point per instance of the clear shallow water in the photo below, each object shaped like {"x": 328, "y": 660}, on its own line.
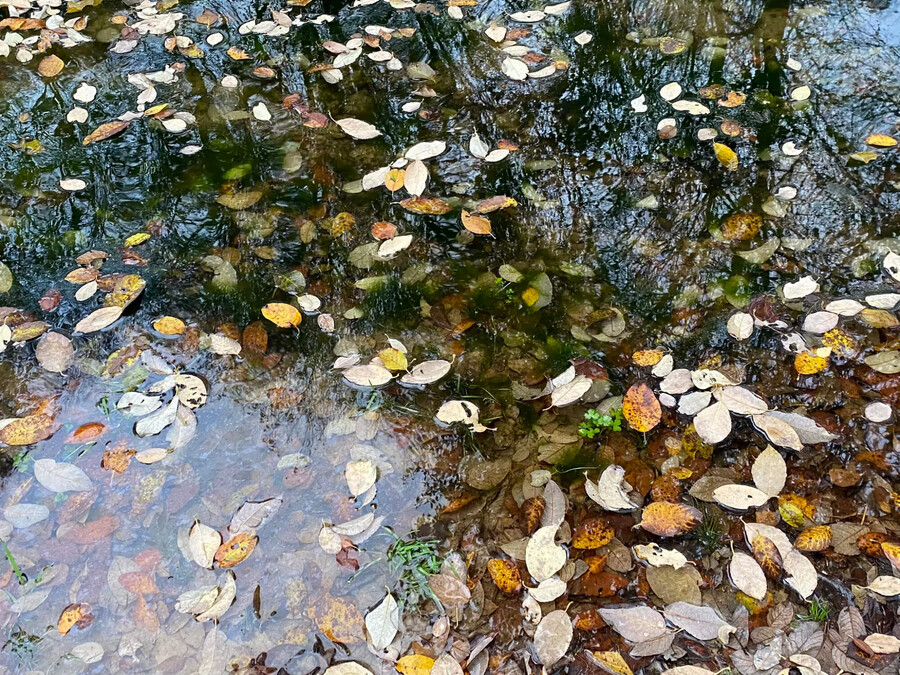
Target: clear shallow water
{"x": 584, "y": 161}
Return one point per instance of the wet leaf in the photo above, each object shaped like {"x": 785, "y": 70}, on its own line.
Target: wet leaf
{"x": 713, "y": 424}
{"x": 740, "y": 497}
{"x": 51, "y": 66}
{"x": 87, "y": 433}
{"x": 609, "y": 491}
{"x": 426, "y": 372}
{"x": 393, "y": 359}
{"x": 747, "y": 575}
{"x": 357, "y": 128}
{"x": 203, "y": 543}
{"x": 770, "y": 472}
{"x": 55, "y": 352}
{"x": 252, "y": 515}
{"x": 635, "y": 624}
{"x": 235, "y": 550}
{"x": 668, "y": 519}
{"x": 741, "y": 226}
{"x": 370, "y": 375}
{"x": 77, "y": 614}
{"x": 415, "y": 664}
{"x": 593, "y": 532}
{"x": 881, "y": 141}
{"x": 475, "y": 224}
{"x": 224, "y": 598}
{"x": 360, "y": 476}
{"x": 432, "y": 206}
{"x": 703, "y": 623}
{"x": 571, "y": 392}
{"x": 505, "y": 574}
{"x": 543, "y": 556}
{"x": 767, "y": 556}
{"x": 238, "y": 201}
{"x": 495, "y": 204}
{"x": 726, "y": 156}
{"x": 282, "y": 314}
{"x": 450, "y": 590}
{"x": 889, "y": 587}
{"x": 777, "y": 431}
{"x": 28, "y": 430}
{"x": 816, "y": 538}
{"x": 98, "y": 319}
{"x": 641, "y": 407}
{"x": 383, "y": 622}
{"x": 553, "y": 637}
{"x": 104, "y": 131}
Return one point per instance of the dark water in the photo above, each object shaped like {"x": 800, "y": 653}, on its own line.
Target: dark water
{"x": 583, "y": 163}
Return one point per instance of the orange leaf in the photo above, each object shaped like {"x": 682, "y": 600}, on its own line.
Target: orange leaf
{"x": 236, "y": 550}
{"x": 475, "y": 224}
{"x": 532, "y": 510}
{"x": 816, "y": 538}
{"x": 431, "y": 206}
{"x": 505, "y": 574}
{"x": 668, "y": 519}
{"x": 641, "y": 407}
{"x": 77, "y": 614}
{"x": 384, "y": 230}
{"x": 51, "y": 66}
{"x": 282, "y": 314}
{"x": 139, "y": 583}
{"x": 104, "y": 131}
{"x": 592, "y": 533}
{"x": 892, "y": 552}
{"x": 117, "y": 459}
{"x": 237, "y": 53}
{"x": 86, "y": 433}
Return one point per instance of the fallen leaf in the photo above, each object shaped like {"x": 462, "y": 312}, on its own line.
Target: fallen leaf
{"x": 641, "y": 407}
{"x": 668, "y": 519}
{"x": 77, "y": 614}
{"x": 235, "y": 550}
{"x": 383, "y": 622}
{"x": 104, "y": 131}
{"x": 282, "y": 314}
{"x": 475, "y": 223}
{"x": 505, "y": 574}
{"x": 51, "y": 66}
{"x": 553, "y": 637}
{"x": 543, "y": 556}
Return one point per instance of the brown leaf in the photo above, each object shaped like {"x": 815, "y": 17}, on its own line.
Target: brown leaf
{"x": 592, "y": 532}
{"x": 495, "y": 204}
{"x": 532, "y": 510}
{"x": 87, "y": 433}
{"x": 475, "y": 224}
{"x": 51, "y": 66}
{"x": 104, "y": 131}
{"x": 767, "y": 556}
{"x": 432, "y": 206}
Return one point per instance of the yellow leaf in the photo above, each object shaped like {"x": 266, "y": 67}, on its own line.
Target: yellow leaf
{"x": 505, "y": 574}
{"x": 881, "y": 141}
{"x": 841, "y": 342}
{"x": 475, "y": 224}
{"x": 237, "y": 53}
{"x": 766, "y": 554}
{"x": 795, "y": 510}
{"x": 592, "y": 532}
{"x": 137, "y": 239}
{"x": 415, "y": 664}
{"x": 726, "y": 156}
{"x": 28, "y": 430}
{"x": 155, "y": 110}
{"x": 338, "y": 619}
{"x": 530, "y": 296}
{"x": 342, "y": 223}
{"x": 647, "y": 357}
{"x": 51, "y": 66}
{"x": 734, "y": 99}
{"x": 393, "y": 359}
{"x": 169, "y": 325}
{"x": 670, "y": 45}
{"x": 816, "y": 538}
{"x": 282, "y": 314}
{"x": 668, "y": 519}
{"x": 393, "y": 181}
{"x": 741, "y": 226}
{"x": 807, "y": 363}
{"x": 495, "y": 204}
{"x": 613, "y": 661}
{"x": 865, "y": 157}
{"x": 641, "y": 407}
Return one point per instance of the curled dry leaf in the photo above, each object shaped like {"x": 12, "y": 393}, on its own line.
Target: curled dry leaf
{"x": 609, "y": 491}
{"x": 641, "y": 407}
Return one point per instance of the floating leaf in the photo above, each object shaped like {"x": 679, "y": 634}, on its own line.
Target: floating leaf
{"x": 641, "y": 407}
{"x": 98, "y": 319}
{"x": 357, "y": 128}
{"x": 236, "y": 550}
{"x": 55, "y": 352}
{"x": 251, "y": 515}
{"x": 282, "y": 314}
{"x": 77, "y": 614}
{"x": 28, "y": 430}
{"x": 879, "y": 141}
{"x": 609, "y": 491}
{"x": 104, "y": 131}
{"x": 383, "y": 622}
{"x": 475, "y": 224}
{"x": 770, "y": 472}
{"x": 203, "y": 542}
{"x": 51, "y": 66}
{"x": 713, "y": 424}
{"x": 726, "y": 156}
{"x": 431, "y": 206}
{"x": 741, "y": 226}
{"x": 370, "y": 375}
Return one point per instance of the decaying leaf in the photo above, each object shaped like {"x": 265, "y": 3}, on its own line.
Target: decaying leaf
{"x": 641, "y": 407}
{"x": 669, "y": 519}
{"x": 552, "y": 637}
{"x": 543, "y": 556}
{"x": 505, "y": 574}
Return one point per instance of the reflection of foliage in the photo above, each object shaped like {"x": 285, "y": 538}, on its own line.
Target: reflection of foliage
{"x": 411, "y": 562}
{"x": 391, "y": 300}
{"x": 595, "y": 423}
{"x": 559, "y": 353}
{"x": 817, "y": 611}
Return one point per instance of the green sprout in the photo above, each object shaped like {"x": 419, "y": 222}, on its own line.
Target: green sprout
{"x": 411, "y": 562}
{"x": 595, "y": 424}
{"x": 817, "y": 611}
{"x": 15, "y": 566}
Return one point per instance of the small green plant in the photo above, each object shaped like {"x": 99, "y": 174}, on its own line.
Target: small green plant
{"x": 411, "y": 562}
{"x": 817, "y": 611}
{"x": 506, "y": 291}
{"x": 15, "y": 566}
{"x": 21, "y": 461}
{"x": 595, "y": 424}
